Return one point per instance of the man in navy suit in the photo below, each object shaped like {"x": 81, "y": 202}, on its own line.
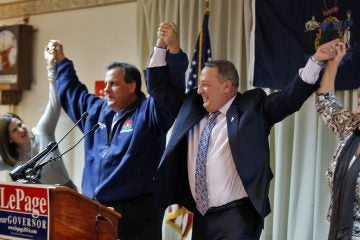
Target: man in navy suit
{"x": 237, "y": 168}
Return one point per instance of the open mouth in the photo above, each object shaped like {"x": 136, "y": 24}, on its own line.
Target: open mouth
{"x": 205, "y": 99}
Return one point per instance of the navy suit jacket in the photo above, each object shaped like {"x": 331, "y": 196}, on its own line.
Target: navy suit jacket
{"x": 249, "y": 121}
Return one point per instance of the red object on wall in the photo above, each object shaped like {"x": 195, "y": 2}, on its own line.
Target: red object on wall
{"x": 99, "y": 88}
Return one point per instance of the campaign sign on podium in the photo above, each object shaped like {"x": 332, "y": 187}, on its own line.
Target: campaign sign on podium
{"x": 24, "y": 211}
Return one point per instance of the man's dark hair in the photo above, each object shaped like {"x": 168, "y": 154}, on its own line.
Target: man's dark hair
{"x": 132, "y": 74}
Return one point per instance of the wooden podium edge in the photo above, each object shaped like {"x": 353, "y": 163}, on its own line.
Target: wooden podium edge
{"x": 76, "y": 216}
{"x": 85, "y": 198}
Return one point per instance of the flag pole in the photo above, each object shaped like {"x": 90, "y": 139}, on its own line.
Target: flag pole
{"x": 201, "y": 39}
{"x": 202, "y": 51}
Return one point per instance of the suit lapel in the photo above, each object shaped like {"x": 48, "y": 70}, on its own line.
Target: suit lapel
{"x": 232, "y": 120}
{"x": 190, "y": 114}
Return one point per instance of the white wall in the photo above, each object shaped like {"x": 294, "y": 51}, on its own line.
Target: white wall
{"x": 92, "y": 38}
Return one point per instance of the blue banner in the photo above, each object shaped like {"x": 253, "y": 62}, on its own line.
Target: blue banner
{"x": 287, "y": 33}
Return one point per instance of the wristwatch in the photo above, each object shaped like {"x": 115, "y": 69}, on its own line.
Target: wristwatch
{"x": 320, "y": 63}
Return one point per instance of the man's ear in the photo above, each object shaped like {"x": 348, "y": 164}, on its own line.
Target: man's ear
{"x": 228, "y": 86}
{"x": 132, "y": 87}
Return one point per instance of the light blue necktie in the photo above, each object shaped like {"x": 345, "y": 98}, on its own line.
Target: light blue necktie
{"x": 201, "y": 190}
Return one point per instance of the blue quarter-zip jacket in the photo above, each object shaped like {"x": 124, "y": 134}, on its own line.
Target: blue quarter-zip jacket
{"x": 121, "y": 164}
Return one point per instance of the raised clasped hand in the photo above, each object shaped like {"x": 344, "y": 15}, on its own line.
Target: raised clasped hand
{"x": 327, "y": 50}
{"x": 49, "y": 54}
{"x": 168, "y": 37}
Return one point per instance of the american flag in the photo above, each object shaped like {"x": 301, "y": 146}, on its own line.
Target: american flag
{"x": 201, "y": 54}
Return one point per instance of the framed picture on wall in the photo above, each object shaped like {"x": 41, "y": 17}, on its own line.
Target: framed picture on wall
{"x": 16, "y": 47}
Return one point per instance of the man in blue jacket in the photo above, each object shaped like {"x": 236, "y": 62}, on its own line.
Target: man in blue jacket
{"x": 217, "y": 161}
{"x": 121, "y": 158}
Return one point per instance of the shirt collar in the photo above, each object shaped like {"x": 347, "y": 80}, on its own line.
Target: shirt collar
{"x": 226, "y": 106}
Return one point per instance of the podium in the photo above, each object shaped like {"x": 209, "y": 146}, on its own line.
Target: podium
{"x": 68, "y": 214}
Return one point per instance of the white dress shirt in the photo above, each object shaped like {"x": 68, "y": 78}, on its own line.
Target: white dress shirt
{"x": 224, "y": 183}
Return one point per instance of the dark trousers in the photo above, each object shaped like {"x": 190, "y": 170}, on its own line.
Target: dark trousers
{"x": 138, "y": 218}
{"x": 233, "y": 221}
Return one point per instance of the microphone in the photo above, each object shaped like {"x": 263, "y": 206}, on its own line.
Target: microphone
{"x": 83, "y": 116}
{"x": 41, "y": 164}
{"x": 20, "y": 171}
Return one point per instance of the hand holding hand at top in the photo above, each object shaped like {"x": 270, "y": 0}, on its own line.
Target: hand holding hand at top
{"x": 49, "y": 54}
{"x": 339, "y": 51}
{"x": 326, "y": 51}
{"x": 54, "y": 52}
{"x": 168, "y": 37}
{"x": 335, "y": 50}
